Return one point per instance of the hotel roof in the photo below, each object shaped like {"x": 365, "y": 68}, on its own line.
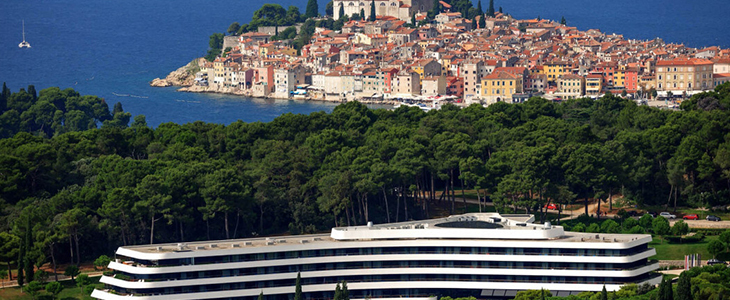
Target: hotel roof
{"x": 475, "y": 226}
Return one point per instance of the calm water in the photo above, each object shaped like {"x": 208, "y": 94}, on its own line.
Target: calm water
{"x": 106, "y": 47}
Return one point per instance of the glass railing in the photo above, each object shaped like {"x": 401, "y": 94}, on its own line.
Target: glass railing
{"x": 131, "y": 279}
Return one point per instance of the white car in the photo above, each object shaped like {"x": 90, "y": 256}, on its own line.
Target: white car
{"x": 667, "y": 215}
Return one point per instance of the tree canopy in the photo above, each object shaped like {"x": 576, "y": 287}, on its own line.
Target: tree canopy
{"x": 106, "y": 186}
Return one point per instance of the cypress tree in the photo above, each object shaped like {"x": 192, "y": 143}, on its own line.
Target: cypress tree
{"x": 474, "y": 23}
{"x": 604, "y": 293}
{"x": 665, "y": 290}
{"x": 479, "y": 8}
{"x": 362, "y": 14}
{"x": 298, "y": 288}
{"x": 500, "y": 10}
{"x": 684, "y": 287}
{"x": 345, "y": 292}
{"x": 32, "y": 92}
{"x": 312, "y": 9}
{"x": 4, "y": 98}
{"x": 372, "y": 11}
{"x": 28, "y": 245}
{"x": 563, "y": 21}
{"x": 413, "y": 20}
{"x": 21, "y": 259}
{"x": 261, "y": 296}
{"x": 482, "y": 21}
{"x": 342, "y": 11}
{"x": 490, "y": 10}
{"x": 338, "y": 292}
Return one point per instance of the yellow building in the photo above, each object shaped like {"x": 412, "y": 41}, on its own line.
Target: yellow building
{"x": 553, "y": 70}
{"x": 594, "y": 85}
{"x": 619, "y": 77}
{"x": 679, "y": 75}
{"x": 500, "y": 86}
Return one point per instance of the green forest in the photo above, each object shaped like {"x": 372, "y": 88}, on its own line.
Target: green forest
{"x": 78, "y": 180}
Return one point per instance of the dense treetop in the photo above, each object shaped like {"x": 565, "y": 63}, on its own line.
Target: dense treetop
{"x": 118, "y": 184}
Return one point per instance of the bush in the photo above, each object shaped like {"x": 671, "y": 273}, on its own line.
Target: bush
{"x": 83, "y": 280}
{"x": 89, "y": 289}
{"x": 102, "y": 262}
{"x": 678, "y": 239}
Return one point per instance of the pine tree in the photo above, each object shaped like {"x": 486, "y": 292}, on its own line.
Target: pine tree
{"x": 312, "y": 9}
{"x": 684, "y": 287}
{"x": 342, "y": 11}
{"x": 490, "y": 10}
{"x": 604, "y": 293}
{"x": 298, "y": 288}
{"x": 372, "y": 11}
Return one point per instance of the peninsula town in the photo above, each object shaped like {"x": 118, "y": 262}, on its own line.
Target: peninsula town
{"x": 426, "y": 51}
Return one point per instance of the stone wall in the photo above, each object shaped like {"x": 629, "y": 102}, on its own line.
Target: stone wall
{"x": 272, "y": 29}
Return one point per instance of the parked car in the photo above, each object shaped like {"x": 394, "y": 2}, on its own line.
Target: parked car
{"x": 651, "y": 213}
{"x": 691, "y": 217}
{"x": 551, "y": 206}
{"x": 715, "y": 262}
{"x": 713, "y": 218}
{"x": 667, "y": 215}
{"x": 633, "y": 213}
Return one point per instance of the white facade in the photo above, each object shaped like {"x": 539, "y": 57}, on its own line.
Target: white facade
{"x": 480, "y": 254}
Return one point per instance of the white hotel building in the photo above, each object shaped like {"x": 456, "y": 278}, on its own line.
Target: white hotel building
{"x": 486, "y": 255}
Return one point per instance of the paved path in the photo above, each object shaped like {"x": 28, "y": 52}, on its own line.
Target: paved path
{"x": 14, "y": 283}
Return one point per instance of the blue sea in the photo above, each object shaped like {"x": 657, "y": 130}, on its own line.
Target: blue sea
{"x": 105, "y": 48}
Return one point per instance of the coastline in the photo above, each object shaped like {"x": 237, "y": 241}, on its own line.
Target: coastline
{"x": 248, "y": 93}
{"x": 184, "y": 77}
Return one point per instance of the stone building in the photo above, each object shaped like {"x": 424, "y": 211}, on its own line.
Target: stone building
{"x": 401, "y": 9}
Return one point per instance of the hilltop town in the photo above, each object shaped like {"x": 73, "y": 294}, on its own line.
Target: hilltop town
{"x": 449, "y": 57}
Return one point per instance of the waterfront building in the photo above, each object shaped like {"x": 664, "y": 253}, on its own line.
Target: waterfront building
{"x": 680, "y": 75}
{"x": 482, "y": 254}
{"x": 571, "y": 86}
{"x": 594, "y": 84}
{"x": 500, "y": 86}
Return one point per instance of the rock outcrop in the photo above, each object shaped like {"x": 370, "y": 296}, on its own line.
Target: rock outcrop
{"x": 184, "y": 76}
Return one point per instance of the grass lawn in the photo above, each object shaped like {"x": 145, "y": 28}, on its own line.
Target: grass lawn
{"x": 667, "y": 251}
{"x": 70, "y": 291}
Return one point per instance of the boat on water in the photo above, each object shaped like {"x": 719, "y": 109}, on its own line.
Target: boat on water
{"x": 24, "y": 44}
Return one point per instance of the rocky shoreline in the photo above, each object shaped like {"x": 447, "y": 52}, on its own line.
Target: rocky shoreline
{"x": 184, "y": 76}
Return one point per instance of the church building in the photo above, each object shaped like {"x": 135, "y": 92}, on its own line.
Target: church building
{"x": 401, "y": 9}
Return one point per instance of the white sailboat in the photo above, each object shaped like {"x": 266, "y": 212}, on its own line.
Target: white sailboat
{"x": 24, "y": 44}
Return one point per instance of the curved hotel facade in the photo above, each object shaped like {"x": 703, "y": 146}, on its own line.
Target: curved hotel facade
{"x": 486, "y": 255}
